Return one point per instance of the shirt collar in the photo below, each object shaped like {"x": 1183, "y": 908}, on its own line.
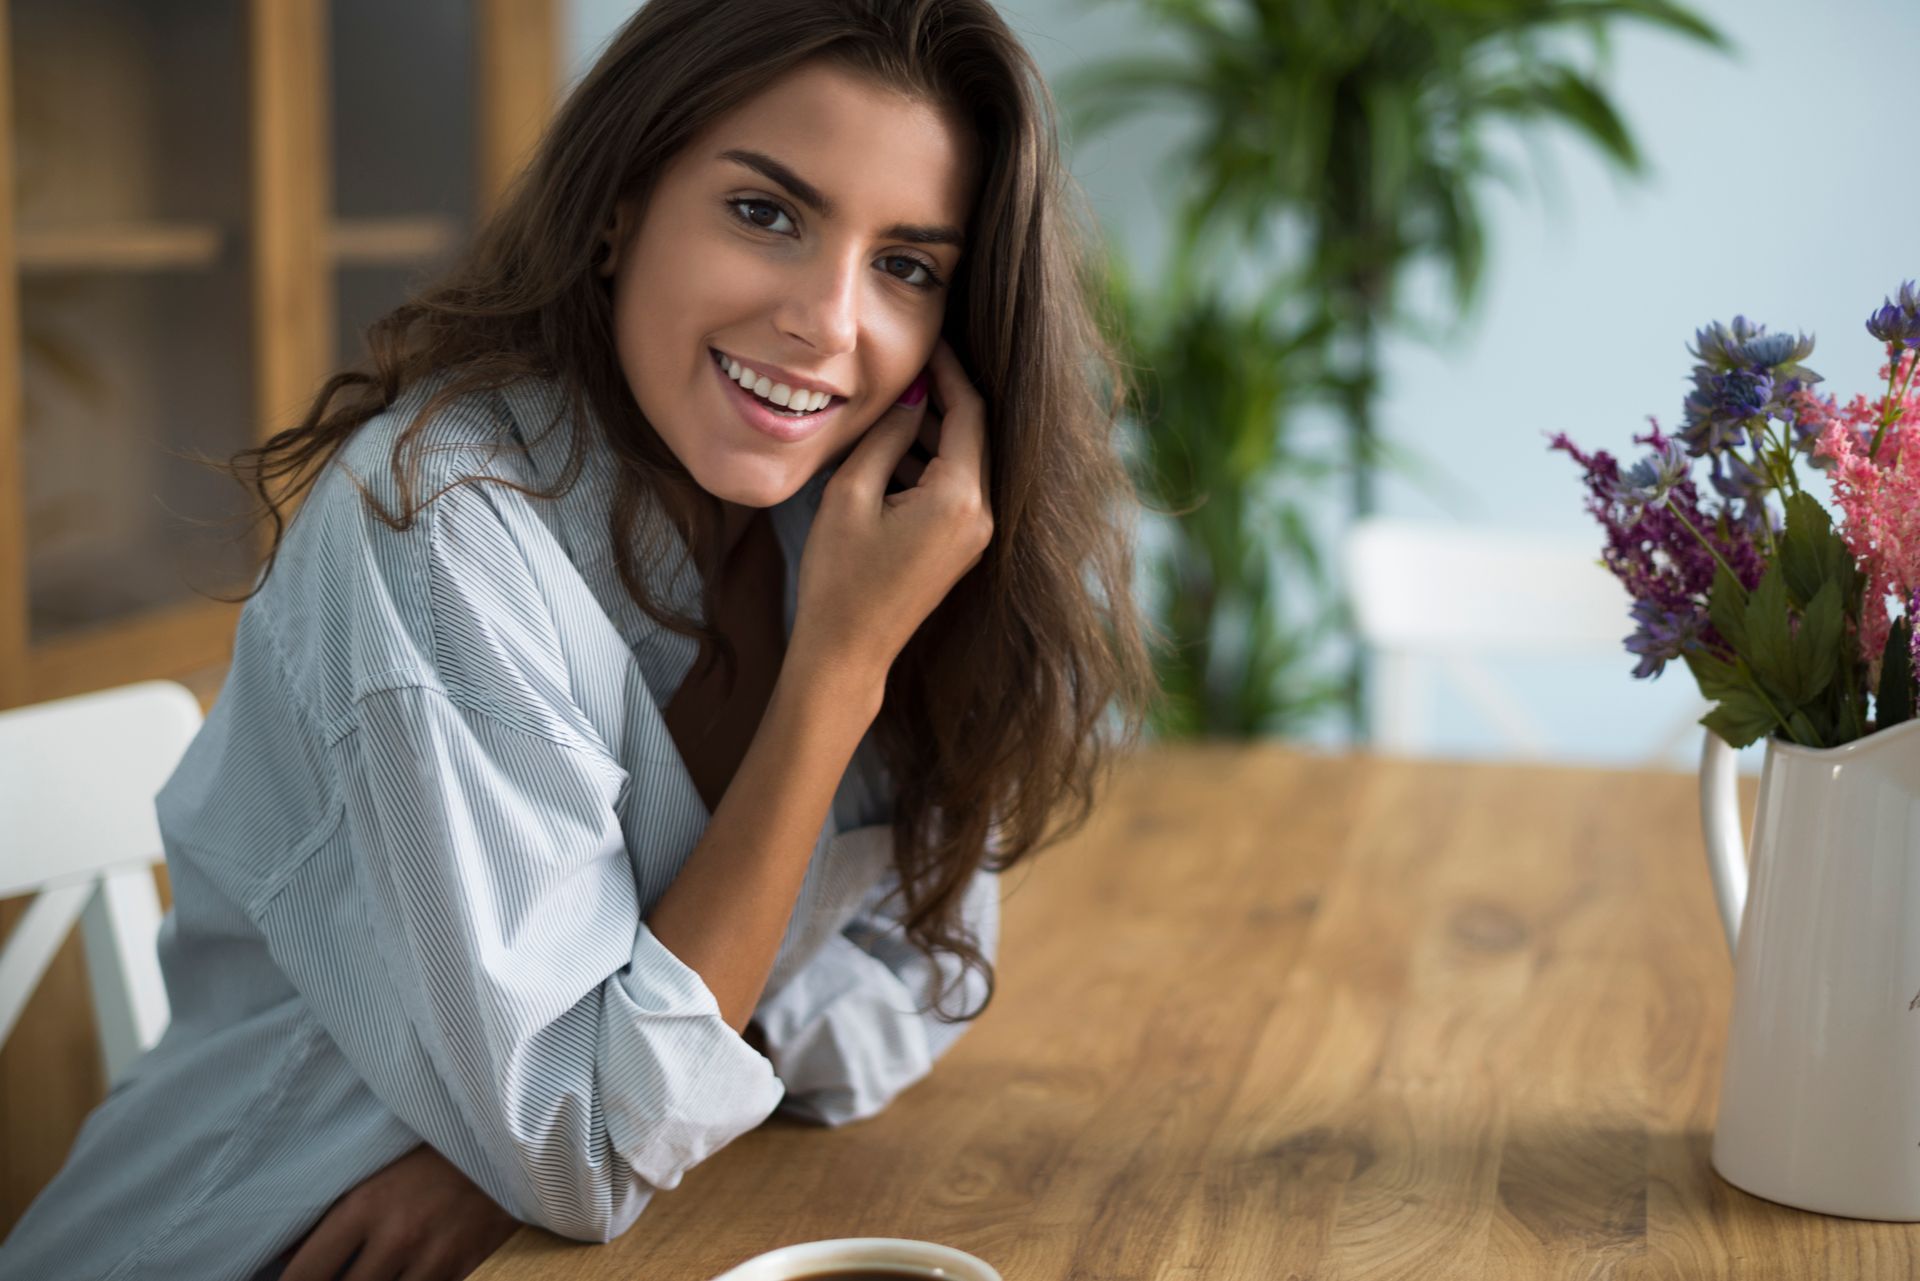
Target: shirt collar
{"x": 579, "y": 520}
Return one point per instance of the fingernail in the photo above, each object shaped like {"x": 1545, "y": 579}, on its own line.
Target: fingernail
{"x": 916, "y": 391}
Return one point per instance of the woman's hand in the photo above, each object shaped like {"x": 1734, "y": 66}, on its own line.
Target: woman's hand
{"x": 418, "y": 1219}
{"x": 876, "y": 564}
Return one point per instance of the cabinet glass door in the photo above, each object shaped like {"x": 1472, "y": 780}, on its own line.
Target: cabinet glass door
{"x": 131, "y": 192}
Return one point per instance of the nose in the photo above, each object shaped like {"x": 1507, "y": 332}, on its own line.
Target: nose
{"x": 823, "y": 310}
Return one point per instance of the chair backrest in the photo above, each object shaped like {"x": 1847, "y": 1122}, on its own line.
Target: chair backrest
{"x": 77, "y": 829}
{"x": 1431, "y": 595}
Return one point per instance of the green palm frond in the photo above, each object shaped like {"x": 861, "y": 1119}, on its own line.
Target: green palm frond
{"x": 1337, "y": 143}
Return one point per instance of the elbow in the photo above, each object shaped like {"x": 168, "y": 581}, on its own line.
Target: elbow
{"x": 656, "y": 1106}
{"x": 591, "y": 1205}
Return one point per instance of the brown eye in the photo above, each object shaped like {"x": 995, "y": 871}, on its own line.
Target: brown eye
{"x": 752, "y": 211}
{"x": 931, "y": 279}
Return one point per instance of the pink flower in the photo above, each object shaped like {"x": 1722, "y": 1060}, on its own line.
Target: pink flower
{"x": 1878, "y": 497}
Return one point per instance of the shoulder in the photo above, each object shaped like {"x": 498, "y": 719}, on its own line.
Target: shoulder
{"x": 414, "y": 560}
{"x": 423, "y": 443}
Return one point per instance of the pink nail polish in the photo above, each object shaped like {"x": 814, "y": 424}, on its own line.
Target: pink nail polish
{"x": 916, "y": 391}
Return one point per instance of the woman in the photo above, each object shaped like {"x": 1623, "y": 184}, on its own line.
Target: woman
{"x": 492, "y": 904}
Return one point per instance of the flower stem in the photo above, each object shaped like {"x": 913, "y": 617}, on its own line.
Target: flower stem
{"x": 1762, "y": 442}
{"x": 1753, "y": 683}
{"x": 1711, "y": 549}
{"x": 1891, "y": 407}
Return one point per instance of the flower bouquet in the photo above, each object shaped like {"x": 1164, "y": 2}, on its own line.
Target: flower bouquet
{"x": 1785, "y": 620}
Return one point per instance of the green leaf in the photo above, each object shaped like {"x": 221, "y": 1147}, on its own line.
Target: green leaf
{"x": 1823, "y": 714}
{"x": 1769, "y": 645}
{"x": 1717, "y": 679}
{"x": 1741, "y": 715}
{"x": 1659, "y": 12}
{"x": 1727, "y": 608}
{"x": 1812, "y": 553}
{"x": 1894, "y": 702}
{"x": 1740, "y": 719}
{"x": 1816, "y": 646}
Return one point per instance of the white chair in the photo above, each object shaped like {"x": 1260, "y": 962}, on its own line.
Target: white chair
{"x": 1431, "y": 595}
{"x": 77, "y": 827}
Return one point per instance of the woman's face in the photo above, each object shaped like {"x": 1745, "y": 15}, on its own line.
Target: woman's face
{"x": 809, "y": 235}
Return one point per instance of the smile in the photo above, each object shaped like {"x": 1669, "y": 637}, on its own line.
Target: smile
{"x": 793, "y": 400}
{"x": 761, "y": 409}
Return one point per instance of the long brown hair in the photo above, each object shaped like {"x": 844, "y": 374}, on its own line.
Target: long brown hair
{"x": 1005, "y": 709}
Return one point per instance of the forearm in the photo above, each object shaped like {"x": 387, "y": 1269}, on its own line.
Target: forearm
{"x": 726, "y": 913}
{"x": 755, "y": 1036}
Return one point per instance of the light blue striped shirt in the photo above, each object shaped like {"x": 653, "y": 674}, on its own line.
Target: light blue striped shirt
{"x": 411, "y": 852}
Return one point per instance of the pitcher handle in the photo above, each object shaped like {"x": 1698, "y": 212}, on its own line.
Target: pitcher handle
{"x": 1720, "y": 817}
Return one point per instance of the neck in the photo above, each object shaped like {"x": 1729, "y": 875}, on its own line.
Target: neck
{"x": 734, "y": 521}
{"x": 712, "y": 557}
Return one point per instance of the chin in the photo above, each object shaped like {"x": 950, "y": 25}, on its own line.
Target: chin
{"x": 748, "y": 485}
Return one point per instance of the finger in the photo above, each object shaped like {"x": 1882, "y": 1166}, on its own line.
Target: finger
{"x": 908, "y": 473}
{"x": 921, "y": 452}
{"x": 326, "y": 1250}
{"x": 377, "y": 1261}
{"x": 437, "y": 1266}
{"x": 963, "y": 424}
{"x": 880, "y": 450}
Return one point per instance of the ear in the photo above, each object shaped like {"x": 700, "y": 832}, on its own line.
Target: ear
{"x": 616, "y": 234}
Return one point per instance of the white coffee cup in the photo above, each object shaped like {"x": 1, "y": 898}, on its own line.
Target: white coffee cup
{"x": 938, "y": 1261}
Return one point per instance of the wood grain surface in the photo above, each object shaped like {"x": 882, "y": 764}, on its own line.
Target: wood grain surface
{"x": 1275, "y": 1014}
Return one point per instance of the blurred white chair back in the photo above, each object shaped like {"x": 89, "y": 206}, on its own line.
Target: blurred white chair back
{"x": 77, "y": 828}
{"x": 1431, "y": 596}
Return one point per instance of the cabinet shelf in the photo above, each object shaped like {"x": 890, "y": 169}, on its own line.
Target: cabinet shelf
{"x": 171, "y": 640}
{"x": 164, "y": 246}
{"x": 153, "y": 246}
{"x": 386, "y": 242}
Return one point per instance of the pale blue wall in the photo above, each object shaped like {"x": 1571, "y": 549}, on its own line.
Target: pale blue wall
{"x": 1781, "y": 187}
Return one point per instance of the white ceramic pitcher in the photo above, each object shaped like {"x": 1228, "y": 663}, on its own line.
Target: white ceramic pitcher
{"x": 1820, "y": 1096}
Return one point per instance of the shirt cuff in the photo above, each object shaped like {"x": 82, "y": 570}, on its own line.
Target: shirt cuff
{"x": 684, "y": 1084}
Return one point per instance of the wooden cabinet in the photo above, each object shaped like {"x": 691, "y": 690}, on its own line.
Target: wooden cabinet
{"x": 202, "y": 205}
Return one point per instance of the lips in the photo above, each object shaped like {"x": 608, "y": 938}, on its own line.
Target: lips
{"x": 776, "y": 375}
{"x": 763, "y": 417}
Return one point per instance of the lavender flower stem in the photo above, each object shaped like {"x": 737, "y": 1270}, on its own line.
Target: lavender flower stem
{"x": 1752, "y": 684}
{"x": 1711, "y": 549}
{"x": 1762, "y": 441}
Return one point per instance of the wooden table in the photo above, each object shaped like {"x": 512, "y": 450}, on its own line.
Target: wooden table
{"x": 1274, "y": 1014}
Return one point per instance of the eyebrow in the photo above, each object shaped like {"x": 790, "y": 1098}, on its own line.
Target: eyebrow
{"x": 811, "y": 196}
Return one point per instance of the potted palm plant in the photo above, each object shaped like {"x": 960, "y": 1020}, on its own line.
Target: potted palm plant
{"x": 1336, "y": 144}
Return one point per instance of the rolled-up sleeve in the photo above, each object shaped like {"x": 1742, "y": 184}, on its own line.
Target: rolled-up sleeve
{"x": 589, "y": 1064}
{"x": 855, "y": 1026}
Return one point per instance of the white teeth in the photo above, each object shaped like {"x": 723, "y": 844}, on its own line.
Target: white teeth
{"x": 760, "y": 385}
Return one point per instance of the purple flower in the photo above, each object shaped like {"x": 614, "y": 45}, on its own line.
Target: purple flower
{"x": 1651, "y": 550}
{"x": 1898, "y": 323}
{"x": 1771, "y": 351}
{"x": 1744, "y": 374}
{"x": 1719, "y": 347}
{"x": 1913, "y": 627}
{"x": 1662, "y": 635}
{"x": 1745, "y": 491}
{"x": 1708, "y": 429}
{"x": 1650, "y": 482}
{"x": 1741, "y": 393}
